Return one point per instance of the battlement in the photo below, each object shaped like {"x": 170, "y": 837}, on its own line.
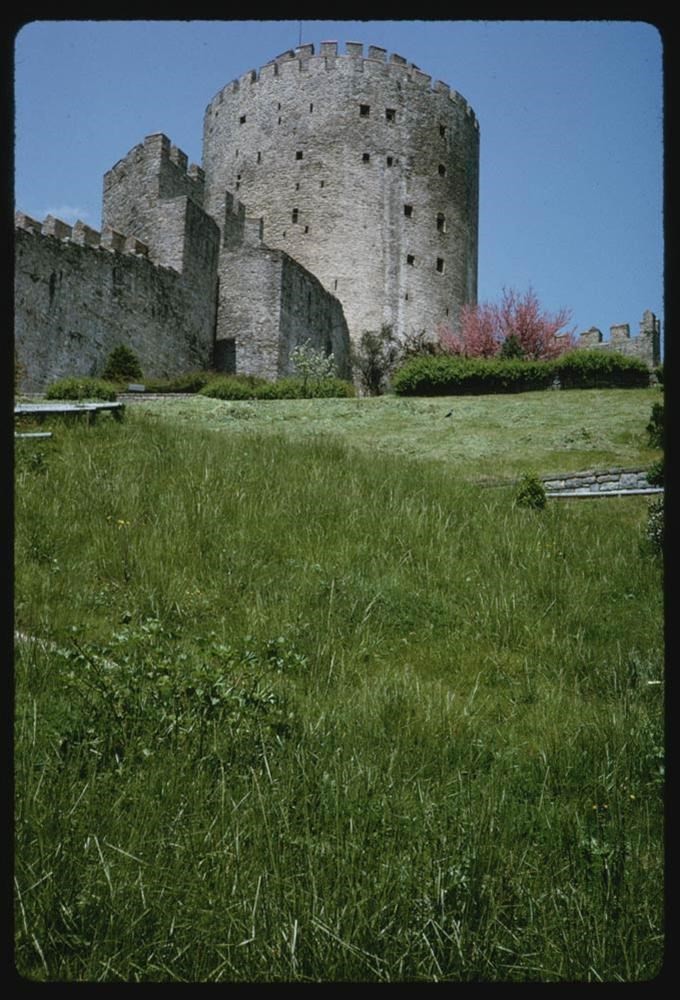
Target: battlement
{"x": 375, "y": 61}
{"x": 159, "y": 154}
{"x": 646, "y": 345}
{"x": 82, "y": 235}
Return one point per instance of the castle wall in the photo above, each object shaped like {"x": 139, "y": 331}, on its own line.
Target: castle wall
{"x": 268, "y": 304}
{"x": 363, "y": 171}
{"x": 76, "y": 301}
{"x": 153, "y": 170}
{"x": 646, "y": 346}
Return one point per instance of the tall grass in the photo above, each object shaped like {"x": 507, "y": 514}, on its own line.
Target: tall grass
{"x": 302, "y": 714}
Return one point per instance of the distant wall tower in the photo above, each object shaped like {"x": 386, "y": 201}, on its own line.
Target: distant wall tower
{"x": 363, "y": 171}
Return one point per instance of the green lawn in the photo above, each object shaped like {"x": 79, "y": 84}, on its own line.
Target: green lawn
{"x": 295, "y": 705}
{"x": 485, "y": 437}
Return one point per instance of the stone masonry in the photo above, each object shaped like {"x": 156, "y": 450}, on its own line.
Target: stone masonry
{"x": 338, "y": 192}
{"x": 646, "y": 346}
{"x": 364, "y": 171}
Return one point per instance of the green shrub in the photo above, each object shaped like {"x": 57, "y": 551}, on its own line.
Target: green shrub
{"x": 600, "y": 370}
{"x": 448, "y": 376}
{"x": 251, "y": 387}
{"x": 82, "y": 387}
{"x": 531, "y": 492}
{"x": 655, "y": 473}
{"x": 189, "y": 382}
{"x": 122, "y": 365}
{"x": 658, "y": 371}
{"x": 655, "y": 427}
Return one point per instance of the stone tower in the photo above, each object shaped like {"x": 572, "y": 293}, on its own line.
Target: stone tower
{"x": 361, "y": 169}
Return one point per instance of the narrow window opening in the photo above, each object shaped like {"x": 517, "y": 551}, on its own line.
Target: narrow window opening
{"x": 298, "y": 155}
{"x": 295, "y": 215}
{"x": 390, "y": 161}
{"x": 278, "y": 106}
{"x": 242, "y": 119}
{"x": 441, "y": 223}
{"x": 297, "y": 185}
{"x": 259, "y": 157}
{"x": 442, "y": 130}
{"x": 306, "y": 229}
{"x": 311, "y": 107}
{"x": 366, "y": 158}
{"x": 410, "y": 259}
{"x": 442, "y": 170}
{"x": 390, "y": 114}
{"x": 321, "y": 183}
{"x": 447, "y": 310}
{"x": 284, "y": 234}
{"x": 335, "y": 285}
{"x": 364, "y": 110}
{"x": 408, "y": 211}
{"x": 406, "y": 297}
{"x": 440, "y": 265}
{"x": 279, "y": 121}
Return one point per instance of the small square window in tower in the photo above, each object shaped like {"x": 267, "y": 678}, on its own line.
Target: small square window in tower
{"x": 298, "y": 155}
{"x": 442, "y": 170}
{"x": 441, "y": 223}
{"x": 295, "y": 214}
{"x": 408, "y": 211}
{"x": 366, "y": 158}
{"x": 242, "y": 120}
{"x": 364, "y": 110}
{"x": 442, "y": 131}
{"x": 390, "y": 161}
{"x": 390, "y": 114}
{"x": 440, "y": 265}
{"x": 410, "y": 259}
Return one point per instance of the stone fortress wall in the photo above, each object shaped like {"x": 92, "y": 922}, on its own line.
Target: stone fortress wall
{"x": 338, "y": 193}
{"x": 79, "y": 293}
{"x": 646, "y": 346}
{"x": 363, "y": 171}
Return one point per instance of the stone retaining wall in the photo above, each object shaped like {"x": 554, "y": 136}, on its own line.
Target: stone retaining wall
{"x": 599, "y": 481}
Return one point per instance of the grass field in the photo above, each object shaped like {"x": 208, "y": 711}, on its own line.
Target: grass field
{"x": 293, "y": 705}
{"x": 485, "y": 437}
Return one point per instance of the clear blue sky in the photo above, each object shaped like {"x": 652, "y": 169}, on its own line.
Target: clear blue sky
{"x": 570, "y": 113}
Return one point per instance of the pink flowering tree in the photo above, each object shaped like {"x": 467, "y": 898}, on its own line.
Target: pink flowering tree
{"x": 517, "y": 327}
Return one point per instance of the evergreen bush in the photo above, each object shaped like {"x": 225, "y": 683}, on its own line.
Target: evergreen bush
{"x": 122, "y": 365}
{"x": 531, "y": 492}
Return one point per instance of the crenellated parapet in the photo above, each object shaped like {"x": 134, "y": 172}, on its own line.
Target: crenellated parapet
{"x": 81, "y": 234}
{"x": 355, "y": 155}
{"x": 376, "y": 62}
{"x": 158, "y": 162}
{"x": 646, "y": 345}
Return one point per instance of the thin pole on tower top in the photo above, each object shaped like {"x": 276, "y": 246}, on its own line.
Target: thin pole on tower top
{"x": 300, "y": 33}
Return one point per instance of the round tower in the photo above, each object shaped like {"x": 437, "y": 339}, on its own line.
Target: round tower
{"x": 363, "y": 170}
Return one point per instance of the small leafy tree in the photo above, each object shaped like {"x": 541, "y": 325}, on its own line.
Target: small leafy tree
{"x": 375, "y": 358}
{"x": 312, "y": 364}
{"x": 122, "y": 365}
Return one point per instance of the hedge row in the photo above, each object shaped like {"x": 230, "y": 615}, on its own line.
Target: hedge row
{"x": 450, "y": 376}
{"x": 82, "y": 387}
{"x": 250, "y": 387}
